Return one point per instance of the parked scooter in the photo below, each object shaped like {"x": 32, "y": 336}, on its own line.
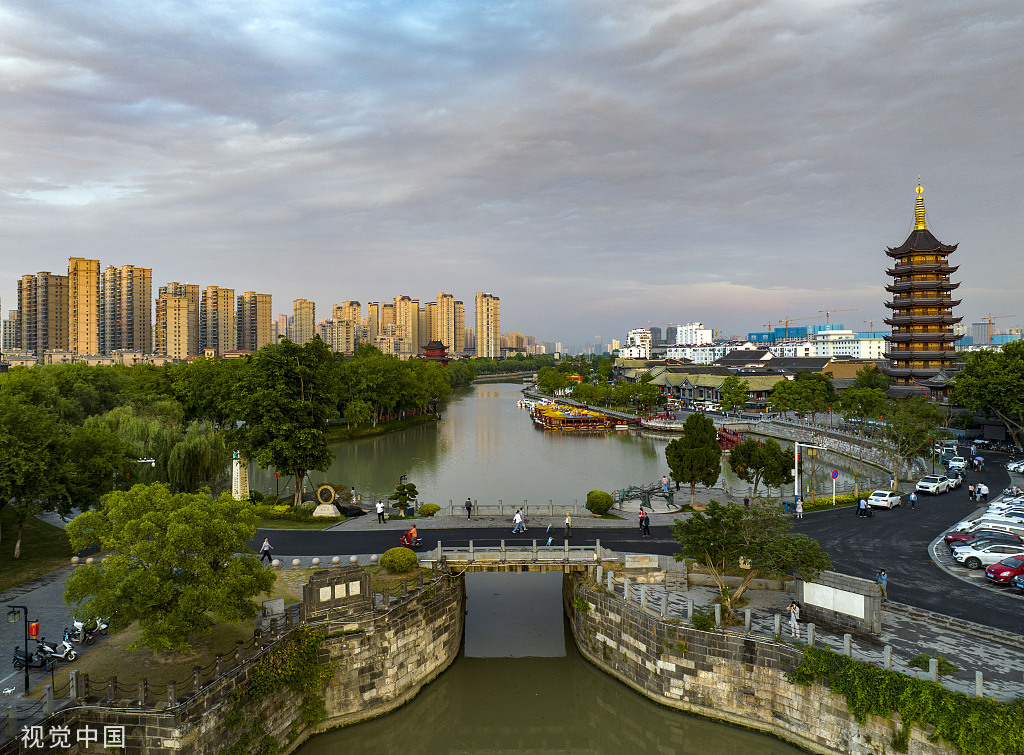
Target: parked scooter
{"x": 64, "y": 653}
{"x": 22, "y": 659}
{"x": 87, "y": 630}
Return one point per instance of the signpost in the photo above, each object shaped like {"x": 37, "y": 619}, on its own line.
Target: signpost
{"x": 835, "y": 474}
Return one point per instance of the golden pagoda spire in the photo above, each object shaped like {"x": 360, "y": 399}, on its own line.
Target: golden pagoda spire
{"x": 919, "y": 209}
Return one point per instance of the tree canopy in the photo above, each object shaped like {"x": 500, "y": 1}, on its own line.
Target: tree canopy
{"x": 177, "y": 563}
{"x": 733, "y": 394}
{"x": 696, "y": 457}
{"x": 724, "y": 536}
{"x": 992, "y": 383}
{"x": 908, "y": 430}
{"x": 807, "y": 393}
{"x": 753, "y": 462}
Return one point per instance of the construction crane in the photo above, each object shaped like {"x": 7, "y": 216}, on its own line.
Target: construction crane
{"x": 871, "y": 325}
{"x": 788, "y": 320}
{"x": 826, "y": 312}
{"x": 990, "y": 318}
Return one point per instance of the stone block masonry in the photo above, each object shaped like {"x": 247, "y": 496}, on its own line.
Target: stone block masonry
{"x": 729, "y": 677}
{"x": 383, "y": 658}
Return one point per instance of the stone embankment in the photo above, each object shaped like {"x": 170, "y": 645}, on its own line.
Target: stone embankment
{"x": 729, "y": 677}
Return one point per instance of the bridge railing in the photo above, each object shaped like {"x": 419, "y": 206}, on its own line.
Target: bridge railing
{"x": 536, "y": 553}
{"x": 502, "y": 509}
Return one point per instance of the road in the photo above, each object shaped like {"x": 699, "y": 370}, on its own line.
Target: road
{"x": 895, "y": 540}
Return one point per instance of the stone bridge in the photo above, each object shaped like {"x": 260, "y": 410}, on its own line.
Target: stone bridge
{"x": 537, "y": 557}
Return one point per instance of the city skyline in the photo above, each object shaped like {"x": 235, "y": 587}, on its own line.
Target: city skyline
{"x": 599, "y": 165}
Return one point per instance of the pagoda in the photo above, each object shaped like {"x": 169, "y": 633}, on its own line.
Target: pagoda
{"x": 923, "y": 343}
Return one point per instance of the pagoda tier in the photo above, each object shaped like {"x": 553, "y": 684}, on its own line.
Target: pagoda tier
{"x": 914, "y": 318}
{"x": 919, "y": 268}
{"x": 902, "y": 302}
{"x": 900, "y": 287}
{"x": 922, "y": 343}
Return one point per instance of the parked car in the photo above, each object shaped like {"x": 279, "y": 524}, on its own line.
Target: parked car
{"x": 1018, "y": 582}
{"x": 957, "y": 462}
{"x": 953, "y": 481}
{"x": 986, "y": 555}
{"x": 884, "y": 499}
{"x": 1002, "y": 572}
{"x": 990, "y": 523}
{"x": 962, "y": 538}
{"x": 933, "y": 484}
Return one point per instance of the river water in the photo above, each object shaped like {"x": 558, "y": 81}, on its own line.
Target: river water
{"x": 520, "y": 685}
{"x": 488, "y": 449}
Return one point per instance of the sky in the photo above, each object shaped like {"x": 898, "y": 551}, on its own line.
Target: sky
{"x": 599, "y": 165}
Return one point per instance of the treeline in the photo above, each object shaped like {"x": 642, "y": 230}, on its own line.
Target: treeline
{"x": 516, "y": 363}
{"x": 69, "y": 434}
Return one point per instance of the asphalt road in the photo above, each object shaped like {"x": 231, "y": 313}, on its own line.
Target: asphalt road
{"x": 895, "y": 540}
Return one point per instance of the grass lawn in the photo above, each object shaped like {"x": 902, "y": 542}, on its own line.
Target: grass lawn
{"x": 285, "y": 524}
{"x": 43, "y": 549}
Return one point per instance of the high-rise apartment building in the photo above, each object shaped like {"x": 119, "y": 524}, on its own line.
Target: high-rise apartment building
{"x": 126, "y": 319}
{"x": 189, "y": 328}
{"x": 83, "y": 305}
{"x": 451, "y": 323}
{"x": 372, "y": 322}
{"x": 254, "y": 320}
{"x": 342, "y": 331}
{"x": 303, "y": 326}
{"x": 488, "y": 325}
{"x": 12, "y": 332}
{"x": 43, "y": 310}
{"x": 217, "y": 328}
{"x": 407, "y": 320}
{"x": 172, "y": 329}
{"x": 428, "y": 320}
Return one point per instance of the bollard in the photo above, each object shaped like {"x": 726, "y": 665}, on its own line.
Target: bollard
{"x": 504, "y": 553}
{"x": 746, "y": 621}
{"x": 643, "y": 597}
{"x": 610, "y": 585}
{"x": 810, "y": 634}
{"x": 219, "y": 665}
{"x": 848, "y": 645}
{"x": 12, "y": 722}
{"x": 718, "y": 615}
{"x": 625, "y": 589}
{"x": 535, "y": 557}
{"x": 405, "y": 588}
{"x": 419, "y": 579}
{"x": 887, "y": 657}
{"x": 142, "y": 692}
{"x": 933, "y": 669}
{"x": 689, "y": 609}
{"x": 565, "y": 547}
{"x": 600, "y": 570}
{"x": 664, "y": 606}
{"x": 438, "y": 551}
{"x": 197, "y": 679}
{"x": 471, "y": 551}
{"x": 73, "y": 688}
{"x": 597, "y": 548}
{"x": 778, "y": 625}
{"x": 979, "y": 684}
{"x": 48, "y": 699}
{"x": 238, "y": 652}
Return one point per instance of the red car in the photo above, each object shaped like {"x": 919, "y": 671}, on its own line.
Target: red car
{"x": 956, "y": 537}
{"x": 1006, "y": 569}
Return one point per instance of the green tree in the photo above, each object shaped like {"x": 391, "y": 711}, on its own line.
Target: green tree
{"x": 724, "y": 537}
{"x": 550, "y": 380}
{"x": 283, "y": 402}
{"x": 808, "y": 393}
{"x": 177, "y": 563}
{"x": 405, "y": 495}
{"x": 733, "y": 394}
{"x": 199, "y": 460}
{"x": 753, "y": 462}
{"x": 696, "y": 457}
{"x": 992, "y": 383}
{"x": 858, "y": 405}
{"x": 908, "y": 430}
{"x": 33, "y": 468}
{"x": 869, "y": 376}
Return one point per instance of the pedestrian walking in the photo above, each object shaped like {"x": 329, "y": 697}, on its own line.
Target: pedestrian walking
{"x": 640, "y": 520}
{"x": 970, "y": 492}
{"x": 664, "y": 483}
{"x": 913, "y": 500}
{"x": 984, "y": 491}
{"x": 883, "y": 581}
{"x": 568, "y": 525}
{"x": 799, "y": 508}
{"x": 380, "y": 512}
{"x": 469, "y": 508}
{"x": 794, "y": 617}
{"x": 265, "y": 550}
{"x": 645, "y": 525}
{"x": 517, "y": 521}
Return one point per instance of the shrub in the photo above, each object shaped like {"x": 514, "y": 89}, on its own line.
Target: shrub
{"x": 281, "y": 508}
{"x": 270, "y": 500}
{"x": 398, "y": 560}
{"x": 429, "y": 509}
{"x": 599, "y": 502}
{"x": 703, "y": 618}
{"x": 306, "y": 507}
{"x": 945, "y": 667}
{"x": 255, "y": 496}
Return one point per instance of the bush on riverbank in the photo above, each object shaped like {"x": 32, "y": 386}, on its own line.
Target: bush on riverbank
{"x": 399, "y": 560}
{"x": 599, "y": 502}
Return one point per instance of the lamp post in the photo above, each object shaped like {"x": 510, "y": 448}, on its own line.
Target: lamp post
{"x": 12, "y": 616}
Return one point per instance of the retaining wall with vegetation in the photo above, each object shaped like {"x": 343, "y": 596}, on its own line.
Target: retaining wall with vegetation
{"x": 728, "y": 677}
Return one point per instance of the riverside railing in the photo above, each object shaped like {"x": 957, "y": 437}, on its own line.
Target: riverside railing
{"x": 502, "y": 509}
{"x": 502, "y": 554}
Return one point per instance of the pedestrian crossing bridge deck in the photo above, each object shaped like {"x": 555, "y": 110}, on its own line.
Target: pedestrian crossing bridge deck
{"x": 537, "y": 557}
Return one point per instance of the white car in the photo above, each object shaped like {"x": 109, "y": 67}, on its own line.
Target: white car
{"x": 986, "y": 555}
{"x": 953, "y": 481}
{"x": 884, "y": 499}
{"x": 957, "y": 462}
{"x": 997, "y": 524}
{"x": 933, "y": 484}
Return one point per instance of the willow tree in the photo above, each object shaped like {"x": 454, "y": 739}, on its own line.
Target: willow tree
{"x": 282, "y": 403}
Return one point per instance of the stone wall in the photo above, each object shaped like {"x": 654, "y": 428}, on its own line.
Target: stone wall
{"x": 730, "y": 677}
{"x": 841, "y": 601}
{"x": 383, "y": 656}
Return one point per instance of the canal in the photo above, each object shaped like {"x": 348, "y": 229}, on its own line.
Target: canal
{"x": 520, "y": 685}
{"x": 487, "y": 448}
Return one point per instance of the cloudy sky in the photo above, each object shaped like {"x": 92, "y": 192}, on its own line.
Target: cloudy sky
{"x": 597, "y": 164}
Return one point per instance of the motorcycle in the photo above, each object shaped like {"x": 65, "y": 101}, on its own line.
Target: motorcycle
{"x": 22, "y": 659}
{"x": 87, "y": 631}
{"x": 408, "y": 542}
{"x": 65, "y": 653}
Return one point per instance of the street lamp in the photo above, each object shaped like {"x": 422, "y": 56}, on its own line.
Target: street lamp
{"x": 12, "y": 617}
{"x": 796, "y": 466}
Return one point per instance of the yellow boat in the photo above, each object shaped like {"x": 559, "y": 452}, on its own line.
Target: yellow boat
{"x": 570, "y": 419}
